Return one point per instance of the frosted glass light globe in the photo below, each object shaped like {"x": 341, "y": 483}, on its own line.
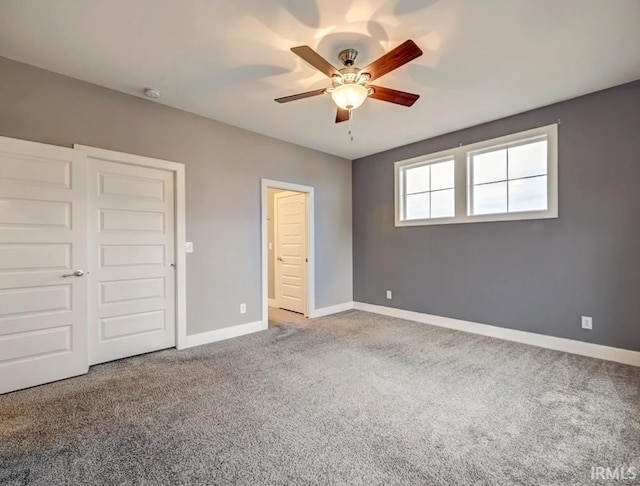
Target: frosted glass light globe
{"x": 349, "y": 96}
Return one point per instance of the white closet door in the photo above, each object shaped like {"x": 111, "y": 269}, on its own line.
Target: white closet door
{"x": 291, "y": 252}
{"x": 43, "y": 312}
{"x": 132, "y": 258}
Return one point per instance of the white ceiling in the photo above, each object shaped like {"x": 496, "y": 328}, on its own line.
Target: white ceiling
{"x": 228, "y": 60}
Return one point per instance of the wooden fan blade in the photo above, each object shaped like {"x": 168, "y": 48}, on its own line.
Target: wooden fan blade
{"x": 316, "y": 60}
{"x": 393, "y": 95}
{"x": 393, "y": 59}
{"x": 342, "y": 115}
{"x": 300, "y": 96}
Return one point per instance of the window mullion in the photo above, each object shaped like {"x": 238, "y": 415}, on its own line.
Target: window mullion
{"x": 461, "y": 190}
{"x": 430, "y": 166}
{"x": 404, "y": 194}
{"x": 507, "y": 150}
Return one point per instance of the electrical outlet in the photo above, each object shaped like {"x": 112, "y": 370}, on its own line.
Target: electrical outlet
{"x": 389, "y": 294}
{"x": 243, "y": 308}
{"x": 587, "y": 322}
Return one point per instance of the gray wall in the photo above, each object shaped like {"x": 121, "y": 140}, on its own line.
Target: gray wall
{"x": 223, "y": 170}
{"x": 538, "y": 276}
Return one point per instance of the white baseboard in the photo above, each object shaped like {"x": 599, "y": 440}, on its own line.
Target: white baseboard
{"x": 334, "y": 309}
{"x": 272, "y": 303}
{"x": 607, "y": 353}
{"x": 222, "y": 334}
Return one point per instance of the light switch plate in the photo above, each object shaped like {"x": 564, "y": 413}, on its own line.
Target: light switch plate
{"x": 189, "y": 246}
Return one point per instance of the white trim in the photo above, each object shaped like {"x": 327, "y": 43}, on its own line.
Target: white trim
{"x": 180, "y": 226}
{"x": 463, "y": 176}
{"x": 265, "y": 184}
{"x": 222, "y": 334}
{"x": 273, "y": 303}
{"x": 591, "y": 350}
{"x": 333, "y": 309}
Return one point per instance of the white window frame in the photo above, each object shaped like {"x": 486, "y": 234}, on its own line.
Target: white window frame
{"x": 421, "y": 163}
{"x": 462, "y": 179}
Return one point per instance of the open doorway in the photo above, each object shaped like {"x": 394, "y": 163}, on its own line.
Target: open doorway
{"x": 287, "y": 252}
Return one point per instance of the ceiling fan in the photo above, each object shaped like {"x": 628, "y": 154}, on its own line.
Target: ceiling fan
{"x": 350, "y": 85}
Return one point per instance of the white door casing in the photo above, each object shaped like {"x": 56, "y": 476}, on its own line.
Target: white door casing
{"x": 42, "y": 237}
{"x": 291, "y": 251}
{"x": 132, "y": 260}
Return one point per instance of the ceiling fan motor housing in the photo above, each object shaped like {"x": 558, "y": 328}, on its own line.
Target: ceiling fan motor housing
{"x": 347, "y": 75}
{"x": 348, "y": 57}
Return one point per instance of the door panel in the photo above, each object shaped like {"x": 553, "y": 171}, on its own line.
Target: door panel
{"x": 118, "y": 220}
{"x": 22, "y": 168}
{"x": 30, "y": 345}
{"x": 43, "y": 315}
{"x": 131, "y": 255}
{"x": 291, "y": 248}
{"x": 37, "y": 256}
{"x": 132, "y": 250}
{"x": 33, "y": 299}
{"x": 21, "y": 213}
{"x": 131, "y": 290}
{"x": 132, "y": 324}
{"x": 131, "y": 186}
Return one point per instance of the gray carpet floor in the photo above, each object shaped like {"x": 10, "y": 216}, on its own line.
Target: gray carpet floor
{"x": 353, "y": 398}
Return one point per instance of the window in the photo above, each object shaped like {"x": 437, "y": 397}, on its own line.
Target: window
{"x": 428, "y": 190}
{"x": 508, "y": 178}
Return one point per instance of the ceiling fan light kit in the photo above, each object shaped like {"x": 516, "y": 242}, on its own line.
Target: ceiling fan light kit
{"x": 349, "y": 96}
{"x": 350, "y": 85}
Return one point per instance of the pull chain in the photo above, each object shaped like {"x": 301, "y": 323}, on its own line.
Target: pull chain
{"x": 350, "y": 124}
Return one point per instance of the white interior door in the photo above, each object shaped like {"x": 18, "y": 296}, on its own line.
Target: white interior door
{"x": 132, "y": 260}
{"x": 291, "y": 251}
{"x": 43, "y": 304}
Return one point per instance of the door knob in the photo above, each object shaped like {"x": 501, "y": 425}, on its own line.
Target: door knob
{"x": 77, "y": 273}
